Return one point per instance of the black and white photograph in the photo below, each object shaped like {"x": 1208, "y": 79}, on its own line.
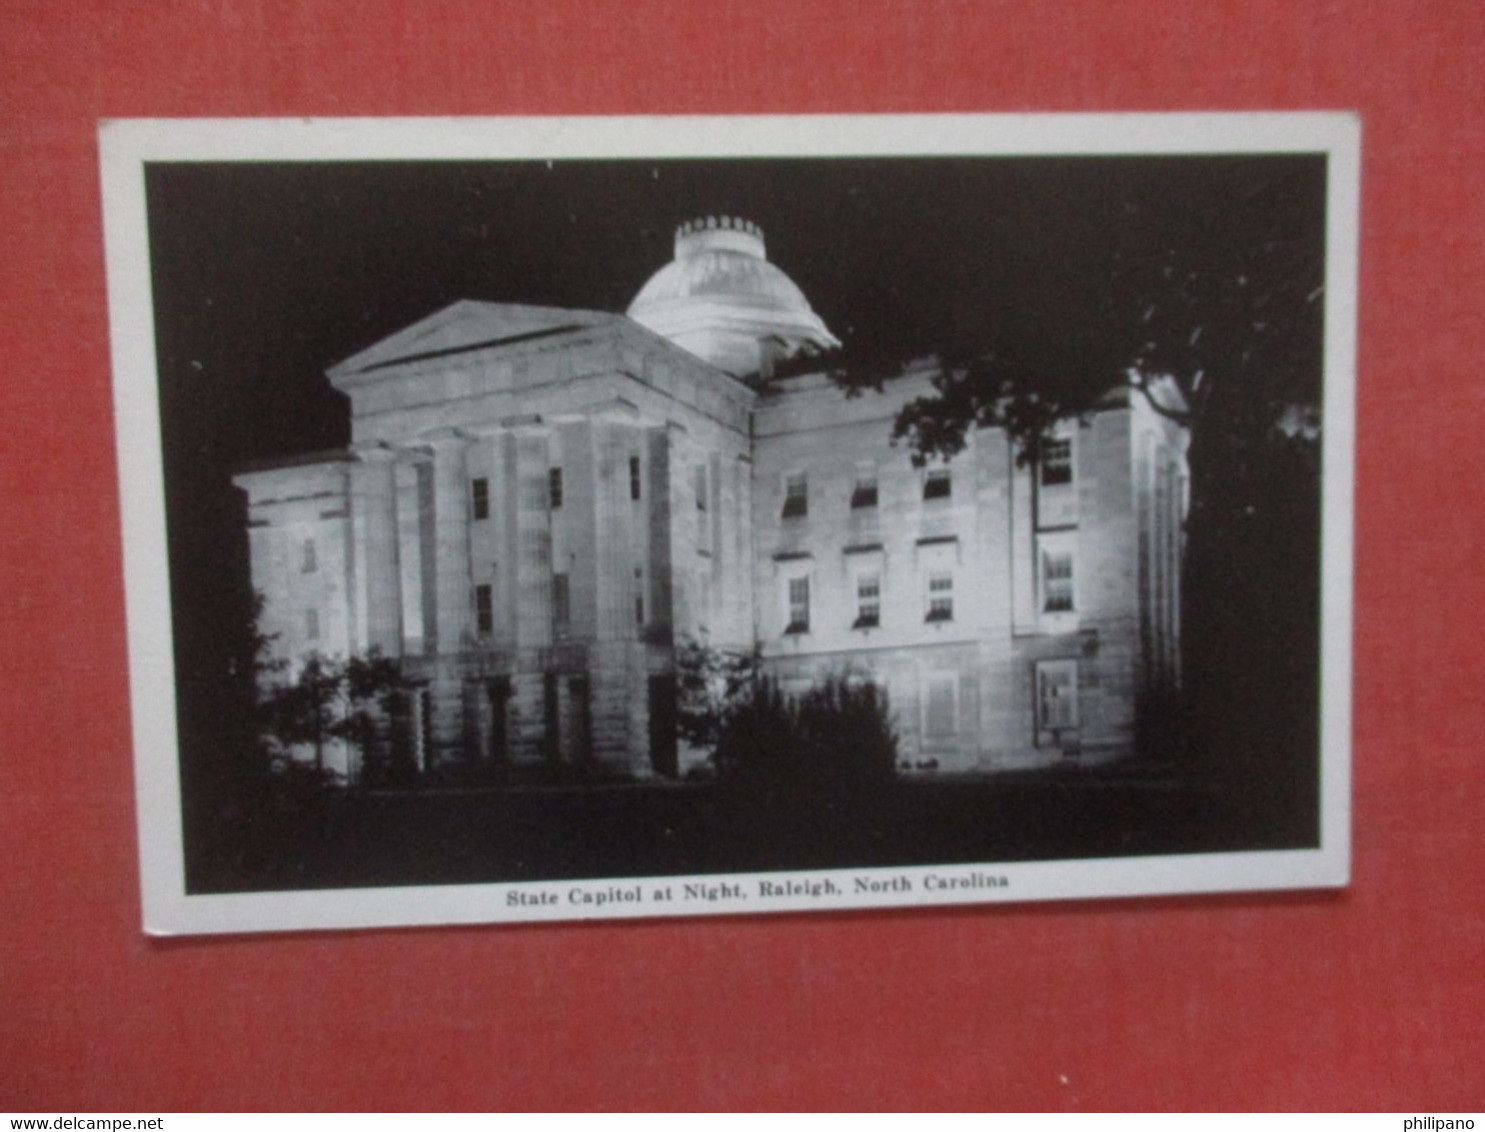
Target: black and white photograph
{"x": 568, "y": 518}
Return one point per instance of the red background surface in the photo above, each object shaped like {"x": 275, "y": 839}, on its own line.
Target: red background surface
{"x": 1370, "y": 998}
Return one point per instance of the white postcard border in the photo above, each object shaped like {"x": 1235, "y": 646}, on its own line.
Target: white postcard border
{"x": 127, "y": 145}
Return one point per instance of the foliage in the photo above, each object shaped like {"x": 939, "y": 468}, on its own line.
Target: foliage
{"x": 1230, "y": 311}
{"x": 836, "y": 740}
{"x": 710, "y": 683}
{"x": 330, "y": 700}
{"x": 1217, "y": 291}
{"x": 371, "y": 683}
{"x": 759, "y": 737}
{"x": 846, "y": 727}
{"x": 239, "y": 720}
{"x": 302, "y": 710}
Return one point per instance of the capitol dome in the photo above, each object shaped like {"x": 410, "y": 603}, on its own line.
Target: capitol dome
{"x": 723, "y": 301}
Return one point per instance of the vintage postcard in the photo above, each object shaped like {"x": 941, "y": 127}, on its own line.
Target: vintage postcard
{"x": 533, "y": 519}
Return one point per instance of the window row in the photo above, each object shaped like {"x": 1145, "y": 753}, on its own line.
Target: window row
{"x": 938, "y": 604}
{"x": 1055, "y": 464}
{"x": 1055, "y": 592}
{"x": 937, "y": 484}
{"x": 479, "y": 489}
{"x": 484, "y": 603}
{"x": 949, "y": 703}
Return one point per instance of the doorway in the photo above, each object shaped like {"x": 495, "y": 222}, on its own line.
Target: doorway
{"x": 663, "y": 753}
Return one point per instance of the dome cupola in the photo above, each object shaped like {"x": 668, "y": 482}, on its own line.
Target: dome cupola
{"x": 723, "y": 301}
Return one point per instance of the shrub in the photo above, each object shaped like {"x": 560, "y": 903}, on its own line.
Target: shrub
{"x": 710, "y": 684}
{"x": 758, "y": 738}
{"x": 836, "y": 741}
{"x": 847, "y": 733}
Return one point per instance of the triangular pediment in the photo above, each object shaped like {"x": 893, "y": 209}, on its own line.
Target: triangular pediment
{"x": 468, "y": 326}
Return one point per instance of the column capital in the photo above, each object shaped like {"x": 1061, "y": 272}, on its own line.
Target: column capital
{"x": 375, "y": 452}
{"x": 443, "y": 438}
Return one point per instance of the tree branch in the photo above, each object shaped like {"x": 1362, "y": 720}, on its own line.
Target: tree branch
{"x": 1140, "y": 381}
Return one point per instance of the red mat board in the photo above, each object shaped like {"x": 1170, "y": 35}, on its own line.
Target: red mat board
{"x": 1367, "y": 998}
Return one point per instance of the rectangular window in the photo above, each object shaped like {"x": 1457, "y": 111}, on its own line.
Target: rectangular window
{"x": 796, "y": 496}
{"x": 1057, "y": 581}
{"x": 703, "y": 602}
{"x": 634, "y": 483}
{"x": 561, "y": 602}
{"x": 937, "y": 484}
{"x": 484, "y": 608}
{"x": 1056, "y": 462}
{"x": 868, "y": 601}
{"x": 312, "y": 624}
{"x": 699, "y": 483}
{"x": 1057, "y": 695}
{"x": 309, "y": 561}
{"x": 479, "y": 498}
{"x": 940, "y": 596}
{"x": 554, "y": 487}
{"x": 864, "y": 494}
{"x": 939, "y": 714}
{"x": 639, "y": 595}
{"x": 799, "y": 606}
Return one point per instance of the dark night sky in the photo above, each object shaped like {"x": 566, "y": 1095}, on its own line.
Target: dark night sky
{"x": 267, "y": 273}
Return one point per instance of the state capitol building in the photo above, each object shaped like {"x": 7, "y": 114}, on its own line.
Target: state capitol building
{"x": 539, "y": 505}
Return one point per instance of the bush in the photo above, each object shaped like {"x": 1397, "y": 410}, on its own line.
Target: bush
{"x": 834, "y": 742}
{"x": 759, "y": 735}
{"x": 710, "y": 684}
{"x": 846, "y": 729}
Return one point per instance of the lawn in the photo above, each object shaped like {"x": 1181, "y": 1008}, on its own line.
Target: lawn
{"x": 331, "y": 839}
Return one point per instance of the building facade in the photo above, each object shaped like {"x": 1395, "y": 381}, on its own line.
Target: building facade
{"x": 538, "y": 505}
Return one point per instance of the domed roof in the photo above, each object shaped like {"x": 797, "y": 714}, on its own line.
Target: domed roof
{"x": 722, "y": 300}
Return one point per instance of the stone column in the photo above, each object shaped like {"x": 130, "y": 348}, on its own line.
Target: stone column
{"x": 658, "y": 515}
{"x": 533, "y": 542}
{"x": 383, "y": 596}
{"x": 452, "y": 588}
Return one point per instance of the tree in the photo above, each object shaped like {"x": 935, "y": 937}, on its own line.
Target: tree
{"x": 371, "y": 686}
{"x": 250, "y": 668}
{"x": 1218, "y": 289}
{"x": 710, "y": 685}
{"x": 305, "y": 710}
{"x": 332, "y": 700}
